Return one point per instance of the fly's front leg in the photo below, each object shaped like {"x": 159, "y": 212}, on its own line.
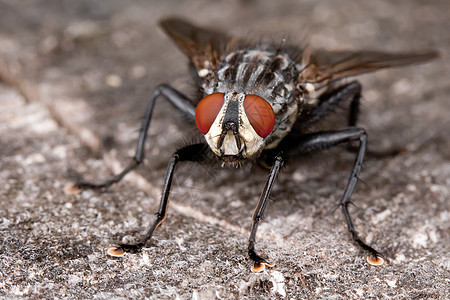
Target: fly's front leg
{"x": 326, "y": 139}
{"x": 196, "y": 153}
{"x": 180, "y": 101}
{"x": 259, "y": 262}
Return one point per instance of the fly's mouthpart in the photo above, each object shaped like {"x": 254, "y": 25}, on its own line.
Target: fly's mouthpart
{"x": 230, "y": 144}
{"x": 234, "y": 161}
{"x": 230, "y": 128}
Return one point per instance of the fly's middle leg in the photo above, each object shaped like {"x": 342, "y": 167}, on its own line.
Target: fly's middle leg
{"x": 178, "y": 100}
{"x": 196, "y": 153}
{"x": 331, "y": 100}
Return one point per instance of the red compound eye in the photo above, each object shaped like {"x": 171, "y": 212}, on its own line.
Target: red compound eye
{"x": 260, "y": 114}
{"x": 207, "y": 110}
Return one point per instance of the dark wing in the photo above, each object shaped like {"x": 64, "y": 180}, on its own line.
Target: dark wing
{"x": 204, "y": 47}
{"x": 323, "y": 66}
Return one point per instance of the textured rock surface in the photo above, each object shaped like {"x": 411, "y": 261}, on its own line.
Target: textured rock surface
{"x": 86, "y": 68}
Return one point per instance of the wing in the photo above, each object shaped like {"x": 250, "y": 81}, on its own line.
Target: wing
{"x": 323, "y": 66}
{"x": 204, "y": 47}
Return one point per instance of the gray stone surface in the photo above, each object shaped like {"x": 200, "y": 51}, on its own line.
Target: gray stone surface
{"x": 75, "y": 77}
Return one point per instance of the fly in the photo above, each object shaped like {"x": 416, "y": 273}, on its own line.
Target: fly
{"x": 258, "y": 102}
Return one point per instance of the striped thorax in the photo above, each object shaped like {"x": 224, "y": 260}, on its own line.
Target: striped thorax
{"x": 251, "y": 102}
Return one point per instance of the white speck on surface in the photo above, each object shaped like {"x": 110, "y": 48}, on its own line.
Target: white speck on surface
{"x": 277, "y": 279}
{"x": 381, "y": 216}
{"x": 434, "y": 237}
{"x": 298, "y": 176}
{"x": 411, "y": 187}
{"x": 330, "y": 276}
{"x": 180, "y": 242}
{"x": 92, "y": 257}
{"x": 420, "y": 239}
{"x": 401, "y": 87}
{"x": 75, "y": 226}
{"x": 34, "y": 159}
{"x": 60, "y": 152}
{"x": 436, "y": 188}
{"x": 400, "y": 258}
{"x": 74, "y": 279}
{"x": 83, "y": 30}
{"x": 146, "y": 258}
{"x": 195, "y": 295}
{"x": 4, "y": 223}
{"x": 113, "y": 80}
{"x": 31, "y": 275}
{"x": 391, "y": 283}
{"x": 18, "y": 290}
{"x": 359, "y": 292}
{"x": 444, "y": 216}
{"x": 138, "y": 71}
{"x": 44, "y": 126}
{"x": 236, "y": 203}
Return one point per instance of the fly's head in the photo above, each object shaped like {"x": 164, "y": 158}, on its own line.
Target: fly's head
{"x": 235, "y": 125}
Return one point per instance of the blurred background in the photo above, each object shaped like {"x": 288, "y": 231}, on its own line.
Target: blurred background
{"x": 74, "y": 82}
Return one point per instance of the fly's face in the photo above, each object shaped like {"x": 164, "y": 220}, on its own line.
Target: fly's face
{"x": 250, "y": 105}
{"x": 235, "y": 125}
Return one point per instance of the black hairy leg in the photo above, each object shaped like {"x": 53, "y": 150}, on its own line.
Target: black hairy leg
{"x": 326, "y": 139}
{"x": 259, "y": 262}
{"x": 177, "y": 99}
{"x": 196, "y": 153}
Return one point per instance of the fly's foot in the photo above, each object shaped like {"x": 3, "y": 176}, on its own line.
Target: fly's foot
{"x": 260, "y": 263}
{"x": 115, "y": 251}
{"x": 261, "y": 266}
{"x": 375, "y": 260}
{"x": 121, "y": 249}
